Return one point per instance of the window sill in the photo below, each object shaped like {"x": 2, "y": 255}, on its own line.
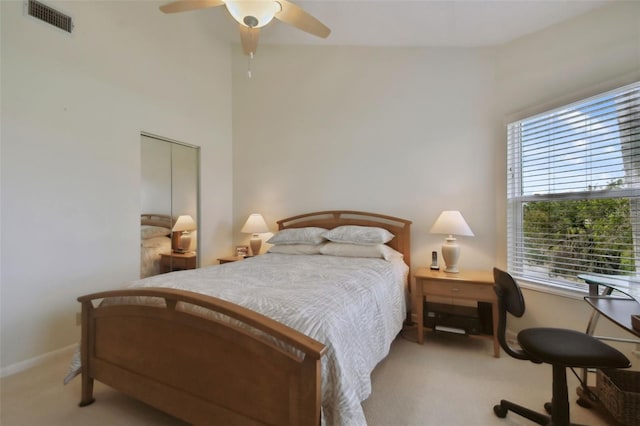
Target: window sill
{"x": 558, "y": 290}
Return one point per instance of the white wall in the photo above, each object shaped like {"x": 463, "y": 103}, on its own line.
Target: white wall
{"x": 407, "y": 132}
{"x": 73, "y": 107}
{"x": 412, "y": 131}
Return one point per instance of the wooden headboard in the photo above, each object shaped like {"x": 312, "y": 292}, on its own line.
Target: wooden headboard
{"x": 333, "y": 218}
{"x": 154, "y": 219}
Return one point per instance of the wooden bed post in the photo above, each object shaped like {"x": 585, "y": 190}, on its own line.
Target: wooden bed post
{"x": 86, "y": 345}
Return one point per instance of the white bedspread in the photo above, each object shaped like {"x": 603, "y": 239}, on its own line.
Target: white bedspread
{"x": 355, "y": 306}
{"x": 150, "y": 250}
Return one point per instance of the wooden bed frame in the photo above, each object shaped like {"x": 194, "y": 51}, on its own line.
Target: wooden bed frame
{"x": 164, "y": 220}
{"x": 208, "y": 371}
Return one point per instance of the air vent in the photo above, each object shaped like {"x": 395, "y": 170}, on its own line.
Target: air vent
{"x": 49, "y": 15}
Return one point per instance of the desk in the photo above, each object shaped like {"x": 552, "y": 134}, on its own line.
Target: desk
{"x": 618, "y": 301}
{"x": 465, "y": 285}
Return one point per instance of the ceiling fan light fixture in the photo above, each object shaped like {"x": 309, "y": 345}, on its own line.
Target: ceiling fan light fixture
{"x": 253, "y": 13}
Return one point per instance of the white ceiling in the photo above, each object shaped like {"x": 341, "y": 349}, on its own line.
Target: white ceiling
{"x": 414, "y": 22}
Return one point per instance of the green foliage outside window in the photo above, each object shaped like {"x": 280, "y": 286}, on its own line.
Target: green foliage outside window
{"x": 580, "y": 236}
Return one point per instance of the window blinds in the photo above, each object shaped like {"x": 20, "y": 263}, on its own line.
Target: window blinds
{"x": 573, "y": 189}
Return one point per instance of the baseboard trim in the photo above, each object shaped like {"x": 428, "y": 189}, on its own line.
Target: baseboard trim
{"x": 35, "y": 361}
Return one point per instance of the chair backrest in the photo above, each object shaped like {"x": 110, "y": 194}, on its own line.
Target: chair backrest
{"x": 510, "y": 300}
{"x": 508, "y": 292}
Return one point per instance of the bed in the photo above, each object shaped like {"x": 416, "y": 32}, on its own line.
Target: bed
{"x": 229, "y": 344}
{"x": 155, "y": 238}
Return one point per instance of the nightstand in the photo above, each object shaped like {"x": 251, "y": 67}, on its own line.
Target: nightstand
{"x": 177, "y": 261}
{"x": 476, "y": 286}
{"x": 229, "y": 259}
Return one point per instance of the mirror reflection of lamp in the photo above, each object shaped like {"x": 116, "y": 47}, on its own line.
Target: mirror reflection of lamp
{"x": 181, "y": 238}
{"x": 255, "y": 225}
{"x": 451, "y": 222}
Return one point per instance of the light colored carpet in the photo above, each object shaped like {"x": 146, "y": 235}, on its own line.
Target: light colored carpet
{"x": 450, "y": 380}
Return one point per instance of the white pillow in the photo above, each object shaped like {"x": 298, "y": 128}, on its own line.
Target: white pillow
{"x": 381, "y": 251}
{"x": 309, "y": 235}
{"x": 354, "y": 234}
{"x": 150, "y": 231}
{"x": 296, "y": 249}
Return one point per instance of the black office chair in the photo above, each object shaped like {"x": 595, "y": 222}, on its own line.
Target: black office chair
{"x": 559, "y": 347}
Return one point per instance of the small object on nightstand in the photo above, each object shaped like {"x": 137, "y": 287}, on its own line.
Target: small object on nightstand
{"x": 434, "y": 261}
{"x": 242, "y": 251}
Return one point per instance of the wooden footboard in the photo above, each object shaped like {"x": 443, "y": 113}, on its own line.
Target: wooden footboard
{"x": 202, "y": 370}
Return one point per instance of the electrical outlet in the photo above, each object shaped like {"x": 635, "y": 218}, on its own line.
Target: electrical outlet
{"x": 78, "y": 318}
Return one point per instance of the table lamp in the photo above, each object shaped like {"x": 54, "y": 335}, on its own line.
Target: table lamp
{"x": 181, "y": 238}
{"x": 451, "y": 222}
{"x": 255, "y": 225}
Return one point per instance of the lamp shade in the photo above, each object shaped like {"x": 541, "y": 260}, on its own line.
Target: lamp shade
{"x": 451, "y": 222}
{"x": 255, "y": 224}
{"x": 184, "y": 223}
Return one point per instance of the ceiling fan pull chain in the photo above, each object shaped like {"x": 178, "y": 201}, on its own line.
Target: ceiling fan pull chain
{"x": 249, "y": 64}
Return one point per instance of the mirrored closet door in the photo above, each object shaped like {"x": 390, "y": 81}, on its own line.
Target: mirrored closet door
{"x": 169, "y": 205}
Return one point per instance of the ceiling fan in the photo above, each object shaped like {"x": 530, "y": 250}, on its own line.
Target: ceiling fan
{"x": 252, "y": 15}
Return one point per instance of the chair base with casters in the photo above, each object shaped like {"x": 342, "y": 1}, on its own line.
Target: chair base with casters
{"x": 561, "y": 348}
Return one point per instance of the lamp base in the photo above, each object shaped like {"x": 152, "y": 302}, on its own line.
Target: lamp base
{"x": 255, "y": 243}
{"x": 451, "y": 254}
{"x": 180, "y": 242}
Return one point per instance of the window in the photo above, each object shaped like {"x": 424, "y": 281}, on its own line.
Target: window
{"x": 573, "y": 190}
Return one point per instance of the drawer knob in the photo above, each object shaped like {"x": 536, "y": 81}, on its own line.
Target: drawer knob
{"x": 455, "y": 289}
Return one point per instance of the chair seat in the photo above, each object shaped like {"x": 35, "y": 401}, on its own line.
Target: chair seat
{"x": 570, "y": 348}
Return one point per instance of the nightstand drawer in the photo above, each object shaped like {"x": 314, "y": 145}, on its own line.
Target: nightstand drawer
{"x": 458, "y": 290}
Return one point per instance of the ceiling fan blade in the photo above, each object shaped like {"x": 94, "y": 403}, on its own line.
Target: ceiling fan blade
{"x": 249, "y": 38}
{"x": 294, "y": 15}
{"x": 186, "y": 5}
